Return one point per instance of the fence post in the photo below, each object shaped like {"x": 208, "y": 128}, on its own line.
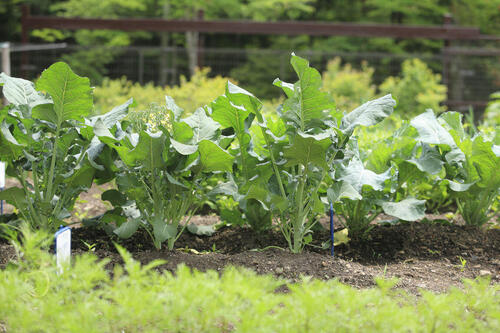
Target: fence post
{"x": 200, "y": 17}
{"x": 5, "y": 64}
{"x": 447, "y": 21}
{"x": 141, "y": 67}
{"x": 5, "y": 57}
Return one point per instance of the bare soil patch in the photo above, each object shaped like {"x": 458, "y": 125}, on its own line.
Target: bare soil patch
{"x": 421, "y": 255}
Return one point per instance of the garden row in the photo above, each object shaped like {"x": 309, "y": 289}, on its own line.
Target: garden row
{"x": 283, "y": 167}
{"x": 86, "y": 298}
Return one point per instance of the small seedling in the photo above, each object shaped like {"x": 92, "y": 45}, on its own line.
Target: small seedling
{"x": 463, "y": 263}
{"x": 90, "y": 247}
{"x": 214, "y": 249}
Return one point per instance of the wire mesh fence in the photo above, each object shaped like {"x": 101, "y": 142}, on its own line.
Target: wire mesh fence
{"x": 471, "y": 75}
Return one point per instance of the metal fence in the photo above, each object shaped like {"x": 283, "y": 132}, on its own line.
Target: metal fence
{"x": 470, "y": 74}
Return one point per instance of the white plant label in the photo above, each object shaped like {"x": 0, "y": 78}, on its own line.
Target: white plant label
{"x": 63, "y": 247}
{"x": 2, "y": 174}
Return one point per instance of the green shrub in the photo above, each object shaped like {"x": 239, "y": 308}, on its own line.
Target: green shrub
{"x": 189, "y": 94}
{"x": 349, "y": 87}
{"x": 417, "y": 90}
{"x": 492, "y": 112}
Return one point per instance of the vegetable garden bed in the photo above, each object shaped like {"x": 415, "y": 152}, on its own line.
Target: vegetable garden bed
{"x": 271, "y": 175}
{"x": 432, "y": 256}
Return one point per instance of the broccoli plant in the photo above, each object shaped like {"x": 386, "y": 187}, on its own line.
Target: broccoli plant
{"x": 45, "y": 143}
{"x": 296, "y": 162}
{"x": 471, "y": 163}
{"x": 159, "y": 174}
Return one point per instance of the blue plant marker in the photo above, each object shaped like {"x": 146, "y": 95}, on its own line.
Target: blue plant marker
{"x": 331, "y": 228}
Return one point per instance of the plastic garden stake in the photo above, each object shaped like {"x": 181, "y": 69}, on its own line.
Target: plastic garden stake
{"x": 63, "y": 247}
{"x": 331, "y": 230}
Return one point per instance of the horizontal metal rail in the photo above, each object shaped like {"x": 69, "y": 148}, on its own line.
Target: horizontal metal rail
{"x": 447, "y": 32}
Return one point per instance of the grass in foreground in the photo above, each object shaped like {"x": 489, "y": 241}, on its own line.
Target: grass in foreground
{"x": 135, "y": 298}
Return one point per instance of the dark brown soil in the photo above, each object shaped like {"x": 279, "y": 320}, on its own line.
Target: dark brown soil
{"x": 432, "y": 256}
{"x": 421, "y": 255}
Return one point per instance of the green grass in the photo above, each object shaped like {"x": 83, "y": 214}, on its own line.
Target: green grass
{"x": 135, "y": 298}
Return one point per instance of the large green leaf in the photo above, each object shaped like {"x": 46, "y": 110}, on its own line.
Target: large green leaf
{"x": 452, "y": 121}
{"x": 409, "y": 209}
{"x": 356, "y": 175}
{"x": 341, "y": 190}
{"x": 148, "y": 151}
{"x": 393, "y": 150}
{"x": 115, "y": 197}
{"x": 429, "y": 160}
{"x": 430, "y": 131}
{"x": 21, "y": 92}
{"x": 172, "y": 106}
{"x": 15, "y": 196}
{"x": 130, "y": 184}
{"x": 457, "y": 187}
{"x": 486, "y": 163}
{"x": 229, "y": 115}
{"x": 204, "y": 128}
{"x": 182, "y": 148}
{"x": 10, "y": 148}
{"x": 71, "y": 94}
{"x": 128, "y": 228}
{"x": 307, "y": 149}
{"x": 81, "y": 177}
{"x": 214, "y": 158}
{"x": 242, "y": 98}
{"x": 308, "y": 105}
{"x": 229, "y": 188}
{"x": 112, "y": 117}
{"x": 162, "y": 231}
{"x": 182, "y": 132}
{"x": 369, "y": 114}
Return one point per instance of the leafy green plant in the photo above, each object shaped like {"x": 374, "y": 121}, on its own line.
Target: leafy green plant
{"x": 160, "y": 175}
{"x": 471, "y": 163}
{"x": 47, "y": 143}
{"x": 361, "y": 194}
{"x": 417, "y": 89}
{"x": 299, "y": 156}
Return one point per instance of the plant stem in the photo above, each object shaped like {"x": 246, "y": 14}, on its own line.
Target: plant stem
{"x": 243, "y": 164}
{"x": 298, "y": 221}
{"x": 34, "y": 216}
{"x": 49, "y": 195}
